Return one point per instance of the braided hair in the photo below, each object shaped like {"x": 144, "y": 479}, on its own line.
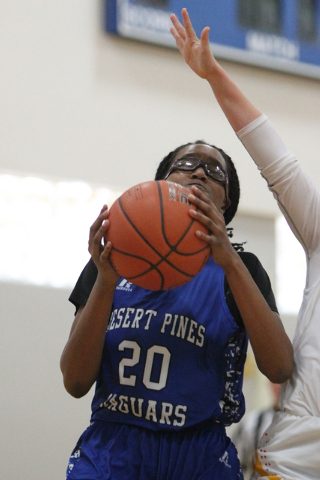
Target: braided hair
{"x": 234, "y": 185}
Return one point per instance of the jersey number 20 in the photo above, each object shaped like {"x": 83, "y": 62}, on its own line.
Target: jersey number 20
{"x": 134, "y": 360}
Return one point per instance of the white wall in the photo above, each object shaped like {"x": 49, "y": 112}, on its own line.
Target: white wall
{"x": 77, "y": 103}
{"x": 74, "y": 100}
{"x": 40, "y": 422}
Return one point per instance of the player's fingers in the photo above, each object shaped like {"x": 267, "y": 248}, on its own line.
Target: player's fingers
{"x": 98, "y": 222}
{"x": 178, "y": 26}
{"x": 208, "y": 214}
{"x": 95, "y": 241}
{"x": 208, "y": 221}
{"x": 209, "y": 239}
{"x": 217, "y": 234}
{"x": 202, "y": 201}
{"x": 106, "y": 251}
{"x": 95, "y": 246}
{"x": 188, "y": 25}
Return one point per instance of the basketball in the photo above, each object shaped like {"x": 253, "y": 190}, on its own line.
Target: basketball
{"x": 153, "y": 236}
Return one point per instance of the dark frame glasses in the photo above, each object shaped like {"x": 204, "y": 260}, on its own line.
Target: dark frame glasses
{"x": 212, "y": 170}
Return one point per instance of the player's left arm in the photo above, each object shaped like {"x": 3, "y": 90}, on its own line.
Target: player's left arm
{"x": 271, "y": 345}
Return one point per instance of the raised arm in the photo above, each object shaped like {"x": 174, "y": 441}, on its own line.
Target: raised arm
{"x": 81, "y": 357}
{"x": 287, "y": 181}
{"x": 271, "y": 345}
{"x": 197, "y": 54}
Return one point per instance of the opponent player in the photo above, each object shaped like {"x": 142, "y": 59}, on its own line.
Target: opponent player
{"x": 289, "y": 449}
{"x": 168, "y": 365}
{"x": 247, "y": 434}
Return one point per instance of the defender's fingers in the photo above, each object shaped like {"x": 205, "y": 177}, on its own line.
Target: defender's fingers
{"x": 178, "y": 26}
{"x": 188, "y": 25}
{"x": 205, "y": 36}
{"x": 177, "y": 38}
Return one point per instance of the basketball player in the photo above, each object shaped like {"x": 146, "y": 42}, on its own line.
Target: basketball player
{"x": 168, "y": 365}
{"x": 289, "y": 449}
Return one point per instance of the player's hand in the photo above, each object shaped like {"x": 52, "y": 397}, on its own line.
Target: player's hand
{"x": 99, "y": 248}
{"x": 223, "y": 252}
{"x": 196, "y": 52}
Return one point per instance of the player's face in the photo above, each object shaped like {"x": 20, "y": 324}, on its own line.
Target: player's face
{"x": 216, "y": 190}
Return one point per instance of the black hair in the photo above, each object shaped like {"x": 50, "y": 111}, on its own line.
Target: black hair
{"x": 234, "y": 185}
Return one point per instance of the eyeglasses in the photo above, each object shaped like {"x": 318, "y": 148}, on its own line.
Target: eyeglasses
{"x": 212, "y": 169}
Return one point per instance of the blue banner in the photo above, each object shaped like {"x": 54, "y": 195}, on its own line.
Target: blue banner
{"x": 277, "y": 34}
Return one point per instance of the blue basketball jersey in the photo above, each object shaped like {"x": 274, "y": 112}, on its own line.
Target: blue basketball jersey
{"x": 172, "y": 359}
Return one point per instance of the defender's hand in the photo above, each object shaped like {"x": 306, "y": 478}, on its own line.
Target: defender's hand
{"x": 196, "y": 53}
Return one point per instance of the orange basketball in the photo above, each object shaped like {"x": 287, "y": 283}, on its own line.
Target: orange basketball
{"x": 153, "y": 236}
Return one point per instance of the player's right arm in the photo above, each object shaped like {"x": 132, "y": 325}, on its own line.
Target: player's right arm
{"x": 81, "y": 357}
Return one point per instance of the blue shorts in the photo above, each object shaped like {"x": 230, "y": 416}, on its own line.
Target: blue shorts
{"x": 113, "y": 451}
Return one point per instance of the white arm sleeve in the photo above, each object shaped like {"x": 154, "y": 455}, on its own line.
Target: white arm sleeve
{"x": 297, "y": 195}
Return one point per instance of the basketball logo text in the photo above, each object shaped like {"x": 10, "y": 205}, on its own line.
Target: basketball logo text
{"x": 178, "y": 193}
